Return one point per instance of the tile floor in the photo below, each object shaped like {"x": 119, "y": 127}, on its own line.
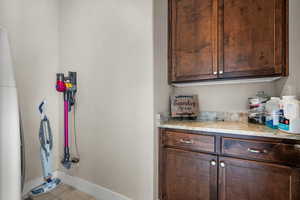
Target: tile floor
{"x": 63, "y": 192}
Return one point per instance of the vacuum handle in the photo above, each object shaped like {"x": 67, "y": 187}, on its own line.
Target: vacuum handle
{"x": 60, "y": 77}
{"x": 73, "y": 77}
{"x": 41, "y": 107}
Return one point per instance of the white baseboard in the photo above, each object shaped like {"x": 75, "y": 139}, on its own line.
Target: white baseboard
{"x": 100, "y": 193}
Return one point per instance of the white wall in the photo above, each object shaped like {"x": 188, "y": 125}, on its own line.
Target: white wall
{"x": 224, "y": 98}
{"x": 33, "y": 31}
{"x": 161, "y": 88}
{"x": 110, "y": 44}
{"x": 291, "y": 85}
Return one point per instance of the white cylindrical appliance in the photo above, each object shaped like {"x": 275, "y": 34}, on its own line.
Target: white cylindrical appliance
{"x": 10, "y": 159}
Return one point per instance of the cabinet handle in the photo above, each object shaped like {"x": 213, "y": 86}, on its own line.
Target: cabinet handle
{"x": 220, "y": 72}
{"x": 213, "y": 163}
{"x": 222, "y": 164}
{"x": 256, "y": 151}
{"x": 184, "y": 141}
{"x": 297, "y": 146}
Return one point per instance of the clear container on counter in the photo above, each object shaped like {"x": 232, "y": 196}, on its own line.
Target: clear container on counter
{"x": 257, "y": 108}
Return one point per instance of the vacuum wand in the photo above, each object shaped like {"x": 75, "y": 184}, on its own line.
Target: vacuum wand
{"x": 66, "y": 133}
{"x": 67, "y": 86}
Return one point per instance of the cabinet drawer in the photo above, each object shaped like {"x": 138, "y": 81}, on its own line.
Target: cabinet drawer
{"x": 190, "y": 141}
{"x": 260, "y": 150}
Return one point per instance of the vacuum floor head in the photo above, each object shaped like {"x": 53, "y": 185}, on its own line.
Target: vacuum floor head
{"x": 45, "y": 187}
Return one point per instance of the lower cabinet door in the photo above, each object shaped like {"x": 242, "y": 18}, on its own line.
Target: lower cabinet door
{"x": 250, "y": 180}
{"x": 189, "y": 176}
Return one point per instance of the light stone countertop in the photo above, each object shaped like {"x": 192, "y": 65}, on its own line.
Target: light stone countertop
{"x": 235, "y": 128}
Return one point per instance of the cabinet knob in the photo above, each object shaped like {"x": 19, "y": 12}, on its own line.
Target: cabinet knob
{"x": 213, "y": 163}
{"x": 222, "y": 164}
{"x": 220, "y": 72}
{"x": 215, "y": 73}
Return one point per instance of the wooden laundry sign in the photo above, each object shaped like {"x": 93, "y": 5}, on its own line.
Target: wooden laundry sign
{"x": 184, "y": 106}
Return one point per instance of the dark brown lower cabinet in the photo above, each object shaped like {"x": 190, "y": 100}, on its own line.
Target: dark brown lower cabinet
{"x": 186, "y": 174}
{"x": 189, "y": 175}
{"x": 250, "y": 180}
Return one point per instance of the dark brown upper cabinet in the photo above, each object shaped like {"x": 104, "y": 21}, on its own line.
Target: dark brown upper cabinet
{"x": 252, "y": 38}
{"x": 193, "y": 39}
{"x": 219, "y": 39}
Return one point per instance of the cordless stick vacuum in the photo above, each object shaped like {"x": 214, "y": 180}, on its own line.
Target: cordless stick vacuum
{"x": 46, "y": 140}
{"x": 68, "y": 86}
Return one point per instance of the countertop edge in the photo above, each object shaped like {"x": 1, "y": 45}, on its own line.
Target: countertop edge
{"x": 233, "y": 132}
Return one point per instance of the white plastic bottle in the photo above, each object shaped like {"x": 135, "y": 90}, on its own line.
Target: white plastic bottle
{"x": 291, "y": 111}
{"x": 272, "y": 112}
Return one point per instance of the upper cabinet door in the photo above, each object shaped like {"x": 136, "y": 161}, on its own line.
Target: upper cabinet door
{"x": 252, "y": 38}
{"x": 193, "y": 40}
